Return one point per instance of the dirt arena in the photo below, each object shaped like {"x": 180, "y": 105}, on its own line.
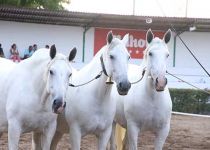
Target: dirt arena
{"x": 187, "y": 133}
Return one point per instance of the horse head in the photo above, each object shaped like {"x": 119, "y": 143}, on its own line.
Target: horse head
{"x": 58, "y": 73}
{"x": 156, "y": 55}
{"x": 115, "y": 59}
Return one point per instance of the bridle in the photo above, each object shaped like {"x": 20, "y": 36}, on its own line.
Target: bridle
{"x": 97, "y": 76}
{"x": 103, "y": 66}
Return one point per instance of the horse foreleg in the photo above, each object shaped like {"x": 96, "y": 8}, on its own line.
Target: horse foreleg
{"x": 132, "y": 131}
{"x": 36, "y": 140}
{"x": 55, "y": 140}
{"x": 75, "y": 137}
{"x": 112, "y": 138}
{"x": 161, "y": 136}
{"x": 104, "y": 138}
{"x": 48, "y": 134}
{"x": 14, "y": 131}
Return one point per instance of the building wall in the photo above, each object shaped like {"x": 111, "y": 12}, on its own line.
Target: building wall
{"x": 25, "y": 34}
{"x": 67, "y": 37}
{"x": 199, "y": 44}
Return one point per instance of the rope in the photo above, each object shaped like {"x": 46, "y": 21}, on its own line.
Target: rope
{"x": 140, "y": 78}
{"x": 188, "y": 83}
{"x": 172, "y": 26}
{"x": 96, "y": 77}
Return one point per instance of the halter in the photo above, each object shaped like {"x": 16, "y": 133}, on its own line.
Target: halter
{"x": 103, "y": 66}
{"x": 109, "y": 81}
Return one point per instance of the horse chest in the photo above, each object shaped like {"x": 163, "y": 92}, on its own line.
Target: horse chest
{"x": 153, "y": 116}
{"x": 95, "y": 124}
{"x": 38, "y": 122}
{"x": 96, "y": 121}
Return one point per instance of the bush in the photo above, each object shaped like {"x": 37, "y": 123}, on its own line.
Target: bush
{"x": 190, "y": 101}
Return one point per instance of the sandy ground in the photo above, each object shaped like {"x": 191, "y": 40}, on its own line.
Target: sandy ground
{"x": 187, "y": 133}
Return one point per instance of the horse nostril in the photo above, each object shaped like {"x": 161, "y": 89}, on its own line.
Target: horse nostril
{"x": 57, "y": 102}
{"x": 120, "y": 84}
{"x": 156, "y": 80}
{"x": 54, "y": 102}
{"x": 166, "y": 80}
{"x": 64, "y": 104}
{"x": 129, "y": 85}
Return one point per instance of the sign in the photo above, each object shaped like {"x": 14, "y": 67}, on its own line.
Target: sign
{"x": 135, "y": 45}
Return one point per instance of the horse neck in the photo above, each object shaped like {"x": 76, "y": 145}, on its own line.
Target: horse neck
{"x": 38, "y": 80}
{"x": 99, "y": 86}
{"x": 147, "y": 80}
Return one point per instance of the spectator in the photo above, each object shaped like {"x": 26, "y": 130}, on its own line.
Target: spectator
{"x": 14, "y": 53}
{"x": 1, "y": 51}
{"x": 47, "y": 46}
{"x": 28, "y": 52}
{"x": 34, "y": 47}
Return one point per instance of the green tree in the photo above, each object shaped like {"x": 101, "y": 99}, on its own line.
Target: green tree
{"x": 45, "y": 4}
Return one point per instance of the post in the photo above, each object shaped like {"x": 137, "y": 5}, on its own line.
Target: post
{"x": 83, "y": 44}
{"x": 174, "y": 52}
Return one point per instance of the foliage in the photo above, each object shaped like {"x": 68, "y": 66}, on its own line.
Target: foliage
{"x": 190, "y": 101}
{"x": 45, "y": 4}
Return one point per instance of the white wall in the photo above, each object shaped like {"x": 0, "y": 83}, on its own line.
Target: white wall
{"x": 199, "y": 44}
{"x": 25, "y": 34}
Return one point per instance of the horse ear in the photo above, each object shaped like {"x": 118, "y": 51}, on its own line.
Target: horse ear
{"x": 125, "y": 39}
{"x": 72, "y": 54}
{"x": 109, "y": 37}
{"x": 149, "y": 36}
{"x": 52, "y": 51}
{"x": 167, "y": 36}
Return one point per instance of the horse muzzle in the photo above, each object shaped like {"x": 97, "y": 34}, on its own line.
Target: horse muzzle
{"x": 123, "y": 87}
{"x": 160, "y": 83}
{"x": 58, "y": 106}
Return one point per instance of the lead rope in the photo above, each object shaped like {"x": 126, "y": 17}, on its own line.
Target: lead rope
{"x": 188, "y": 83}
{"x": 142, "y": 75}
{"x": 96, "y": 77}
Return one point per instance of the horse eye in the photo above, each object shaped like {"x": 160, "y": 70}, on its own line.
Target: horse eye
{"x": 167, "y": 55}
{"x": 51, "y": 72}
{"x": 111, "y": 57}
{"x": 129, "y": 57}
{"x": 70, "y": 75}
{"x": 150, "y": 54}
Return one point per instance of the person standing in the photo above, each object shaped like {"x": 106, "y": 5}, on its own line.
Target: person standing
{"x": 1, "y": 52}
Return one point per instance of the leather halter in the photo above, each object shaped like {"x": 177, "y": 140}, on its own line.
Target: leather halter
{"x": 109, "y": 79}
{"x": 103, "y": 66}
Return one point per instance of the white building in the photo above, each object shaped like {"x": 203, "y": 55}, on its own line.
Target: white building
{"x": 87, "y": 32}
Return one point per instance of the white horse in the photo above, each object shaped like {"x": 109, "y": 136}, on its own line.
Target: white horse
{"x": 34, "y": 89}
{"x": 89, "y": 109}
{"x": 6, "y": 66}
{"x": 148, "y": 104}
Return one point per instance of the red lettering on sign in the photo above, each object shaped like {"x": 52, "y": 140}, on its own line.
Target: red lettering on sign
{"x": 136, "y": 43}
